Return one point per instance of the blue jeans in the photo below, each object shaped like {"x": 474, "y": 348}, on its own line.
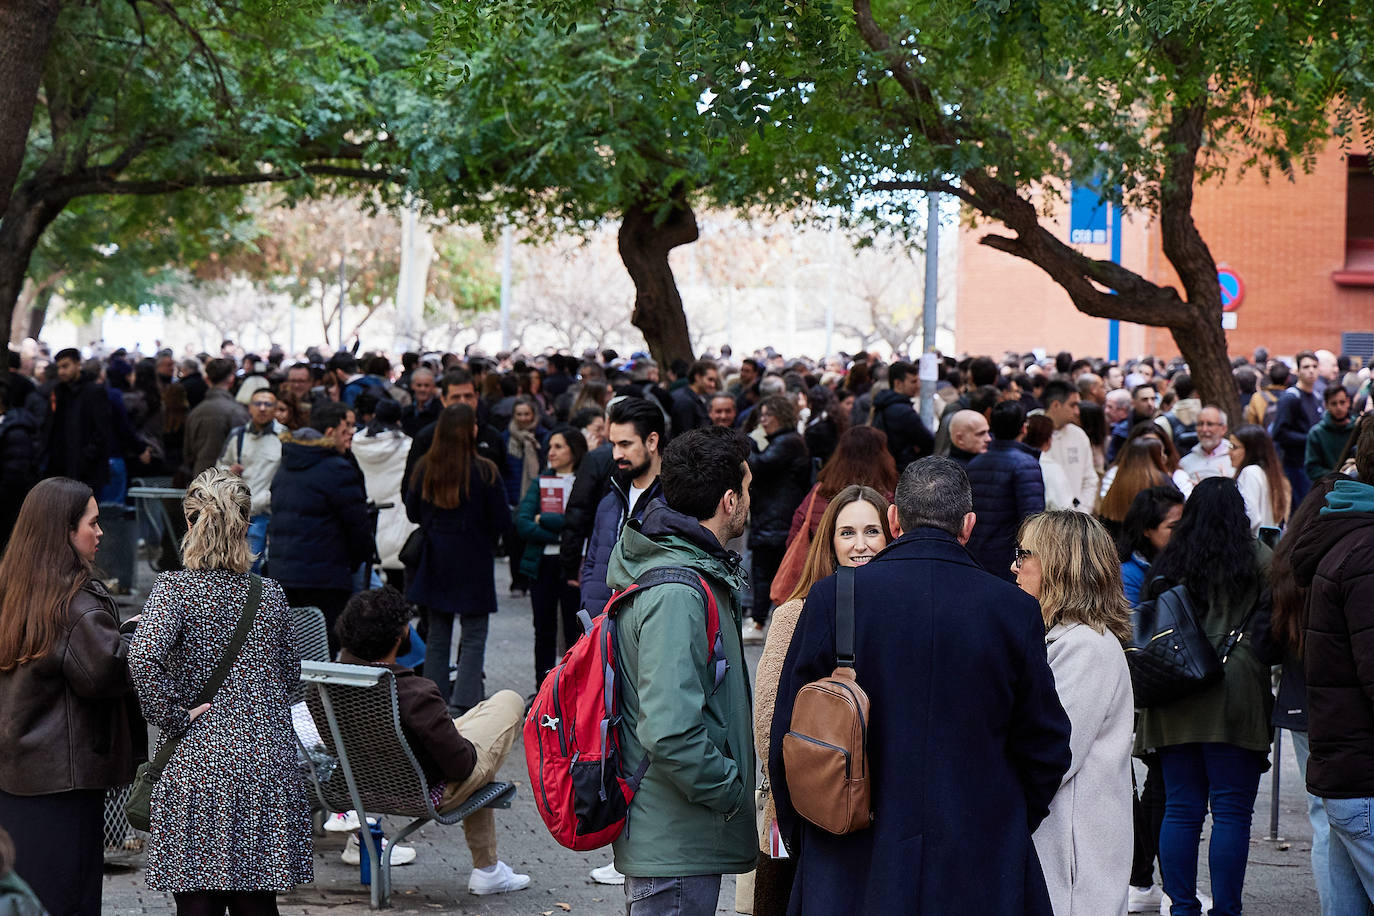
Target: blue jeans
{"x": 1228, "y": 776}
{"x": 1338, "y": 884}
{"x": 695, "y": 895}
{"x": 257, "y": 539}
{"x": 1353, "y": 841}
{"x": 116, "y": 488}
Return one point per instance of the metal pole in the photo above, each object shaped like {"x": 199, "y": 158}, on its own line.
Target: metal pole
{"x": 829, "y": 324}
{"x": 1114, "y": 327}
{"x": 343, "y": 295}
{"x": 1274, "y": 772}
{"x": 929, "y": 311}
{"x": 507, "y": 242}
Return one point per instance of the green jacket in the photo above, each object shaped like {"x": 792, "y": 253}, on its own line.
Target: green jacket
{"x": 1235, "y": 711}
{"x": 694, "y": 811}
{"x": 1325, "y": 442}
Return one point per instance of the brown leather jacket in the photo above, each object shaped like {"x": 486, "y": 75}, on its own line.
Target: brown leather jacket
{"x": 65, "y": 718}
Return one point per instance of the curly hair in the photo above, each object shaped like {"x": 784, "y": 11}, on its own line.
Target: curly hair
{"x": 1211, "y": 548}
{"x": 371, "y": 623}
{"x": 217, "y": 506}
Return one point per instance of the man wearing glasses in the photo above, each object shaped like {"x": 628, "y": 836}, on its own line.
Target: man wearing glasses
{"x": 253, "y": 451}
{"x": 1209, "y": 458}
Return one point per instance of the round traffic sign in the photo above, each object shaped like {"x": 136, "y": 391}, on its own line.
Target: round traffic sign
{"x": 1232, "y": 289}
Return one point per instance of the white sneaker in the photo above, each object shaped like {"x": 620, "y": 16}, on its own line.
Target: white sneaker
{"x": 607, "y": 874}
{"x": 345, "y": 823}
{"x": 353, "y": 853}
{"x": 1165, "y": 903}
{"x": 498, "y": 879}
{"x": 1144, "y": 899}
{"x": 753, "y": 633}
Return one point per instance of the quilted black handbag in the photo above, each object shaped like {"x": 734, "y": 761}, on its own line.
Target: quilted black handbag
{"x": 1169, "y": 656}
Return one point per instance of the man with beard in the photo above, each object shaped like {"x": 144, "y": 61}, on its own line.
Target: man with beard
{"x": 692, "y": 815}
{"x": 636, "y": 437}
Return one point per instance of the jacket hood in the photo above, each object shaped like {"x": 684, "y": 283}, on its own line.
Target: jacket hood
{"x": 374, "y": 451}
{"x": 305, "y": 448}
{"x": 665, "y": 537}
{"x": 887, "y": 397}
{"x": 1187, "y": 410}
{"x": 18, "y": 417}
{"x": 1327, "y": 422}
{"x": 1349, "y": 507}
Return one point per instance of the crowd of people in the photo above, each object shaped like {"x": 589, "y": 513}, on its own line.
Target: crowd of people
{"x": 999, "y": 553}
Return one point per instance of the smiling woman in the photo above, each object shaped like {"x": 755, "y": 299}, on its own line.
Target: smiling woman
{"x": 852, "y": 532}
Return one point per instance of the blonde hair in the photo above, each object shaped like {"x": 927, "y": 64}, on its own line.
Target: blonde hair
{"x": 820, "y": 556}
{"x": 217, "y": 505}
{"x": 1080, "y": 574}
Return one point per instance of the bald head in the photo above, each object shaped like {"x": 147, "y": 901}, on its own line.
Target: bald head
{"x": 968, "y": 430}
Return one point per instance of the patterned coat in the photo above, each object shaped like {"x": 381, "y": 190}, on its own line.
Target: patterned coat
{"x": 229, "y": 812}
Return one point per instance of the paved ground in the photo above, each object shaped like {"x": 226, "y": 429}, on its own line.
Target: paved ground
{"x": 1279, "y": 882}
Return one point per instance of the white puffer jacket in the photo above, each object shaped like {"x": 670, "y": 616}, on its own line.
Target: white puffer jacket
{"x": 383, "y": 460}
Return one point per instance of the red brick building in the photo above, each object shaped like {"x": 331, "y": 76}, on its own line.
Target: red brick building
{"x": 1304, "y": 251}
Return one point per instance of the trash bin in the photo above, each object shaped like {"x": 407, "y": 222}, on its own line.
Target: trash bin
{"x": 118, "y": 547}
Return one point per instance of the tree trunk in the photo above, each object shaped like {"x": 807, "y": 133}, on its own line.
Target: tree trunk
{"x": 26, "y": 28}
{"x": 38, "y": 314}
{"x": 23, "y": 224}
{"x": 644, "y": 246}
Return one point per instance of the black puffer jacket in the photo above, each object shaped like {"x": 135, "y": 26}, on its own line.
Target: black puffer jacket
{"x": 782, "y": 477}
{"x": 1334, "y": 557}
{"x": 907, "y": 437}
{"x": 319, "y": 531}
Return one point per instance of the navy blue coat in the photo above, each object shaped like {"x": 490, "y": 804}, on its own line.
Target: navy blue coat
{"x": 319, "y": 528}
{"x": 455, "y": 575}
{"x": 782, "y": 477}
{"x": 612, "y": 513}
{"x": 1007, "y": 488}
{"x": 967, "y": 740}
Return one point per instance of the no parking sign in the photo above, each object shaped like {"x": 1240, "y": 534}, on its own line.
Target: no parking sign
{"x": 1232, "y": 289}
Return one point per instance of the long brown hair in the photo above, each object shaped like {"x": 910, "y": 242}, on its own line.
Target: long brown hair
{"x": 820, "y": 557}
{"x": 1259, "y": 451}
{"x": 1140, "y": 466}
{"x": 448, "y": 465}
{"x": 861, "y": 457}
{"x": 41, "y": 571}
{"x": 1289, "y": 615}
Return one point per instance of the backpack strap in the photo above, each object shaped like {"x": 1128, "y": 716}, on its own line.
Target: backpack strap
{"x": 679, "y": 575}
{"x": 844, "y": 616}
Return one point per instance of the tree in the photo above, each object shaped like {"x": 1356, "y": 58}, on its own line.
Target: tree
{"x": 1000, "y": 102}
{"x": 576, "y": 115}
{"x": 147, "y": 97}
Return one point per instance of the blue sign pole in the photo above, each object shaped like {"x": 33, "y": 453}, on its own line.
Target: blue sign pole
{"x": 1114, "y": 326}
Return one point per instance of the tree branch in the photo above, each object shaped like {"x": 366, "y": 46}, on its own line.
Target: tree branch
{"x": 83, "y": 184}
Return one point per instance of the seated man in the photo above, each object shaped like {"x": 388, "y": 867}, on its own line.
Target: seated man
{"x": 458, "y": 756}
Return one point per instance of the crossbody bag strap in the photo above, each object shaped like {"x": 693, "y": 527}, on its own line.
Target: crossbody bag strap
{"x": 844, "y": 616}
{"x": 226, "y": 663}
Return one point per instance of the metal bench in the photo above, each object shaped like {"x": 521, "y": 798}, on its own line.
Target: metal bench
{"x": 377, "y": 773}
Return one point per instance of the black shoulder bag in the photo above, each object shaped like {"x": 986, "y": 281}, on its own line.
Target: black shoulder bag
{"x": 138, "y": 807}
{"x": 1170, "y": 656}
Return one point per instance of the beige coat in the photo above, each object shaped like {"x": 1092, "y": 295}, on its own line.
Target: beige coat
{"x": 780, "y": 628}
{"x": 1086, "y": 843}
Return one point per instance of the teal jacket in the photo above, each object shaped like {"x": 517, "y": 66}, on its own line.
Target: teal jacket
{"x": 694, "y": 811}
{"x": 1325, "y": 442}
{"x": 536, "y": 535}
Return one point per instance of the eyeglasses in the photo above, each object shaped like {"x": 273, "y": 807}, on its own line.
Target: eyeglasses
{"x": 264, "y": 404}
{"x": 1020, "y": 554}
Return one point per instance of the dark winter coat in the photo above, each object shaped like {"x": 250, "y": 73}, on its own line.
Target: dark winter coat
{"x": 1007, "y": 489}
{"x": 593, "y": 479}
{"x": 320, "y": 531}
{"x": 1297, "y": 412}
{"x": 907, "y": 437}
{"x": 80, "y": 433}
{"x": 612, "y": 513}
{"x": 822, "y": 438}
{"x": 1325, "y": 442}
{"x": 967, "y": 740}
{"x": 489, "y": 446}
{"x": 207, "y": 428}
{"x": 782, "y": 476}
{"x": 67, "y": 715}
{"x": 689, "y": 411}
{"x": 415, "y": 418}
{"x": 19, "y": 452}
{"x": 1334, "y": 557}
{"x": 456, "y": 574}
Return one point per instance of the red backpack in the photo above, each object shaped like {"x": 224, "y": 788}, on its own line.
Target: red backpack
{"x": 572, "y": 748}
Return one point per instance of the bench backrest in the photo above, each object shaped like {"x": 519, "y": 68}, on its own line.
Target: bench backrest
{"x": 357, "y": 705}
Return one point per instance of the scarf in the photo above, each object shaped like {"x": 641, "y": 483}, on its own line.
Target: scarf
{"x": 523, "y": 445}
